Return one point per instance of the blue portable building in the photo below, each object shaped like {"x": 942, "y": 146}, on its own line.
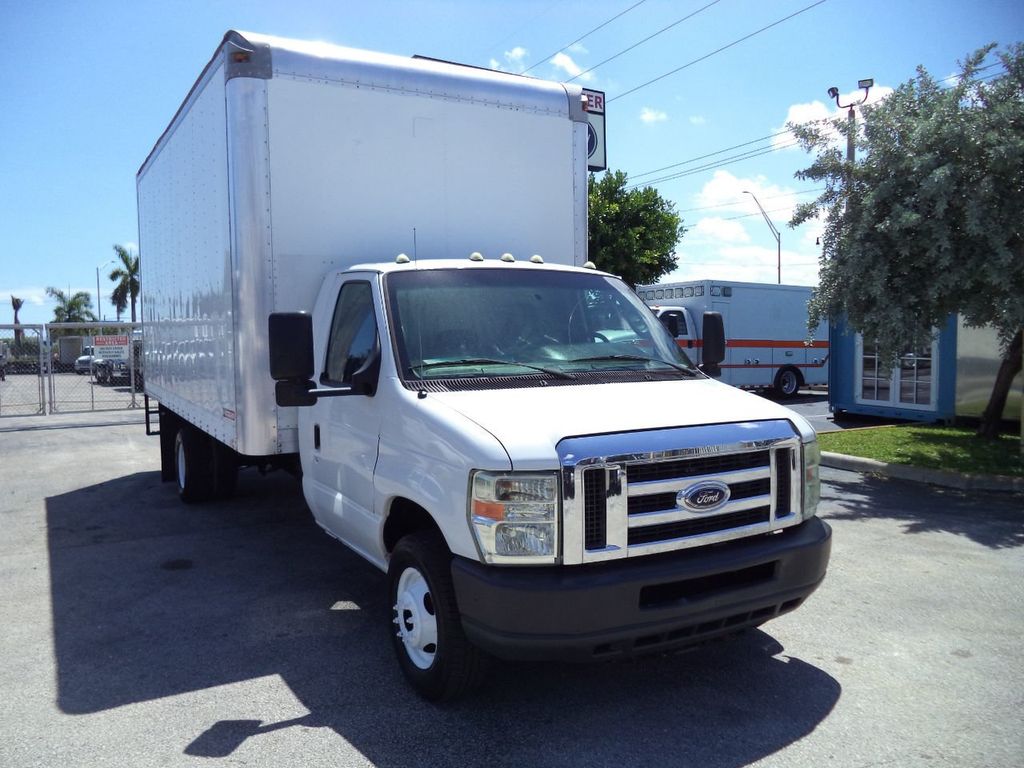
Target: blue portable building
{"x": 922, "y": 387}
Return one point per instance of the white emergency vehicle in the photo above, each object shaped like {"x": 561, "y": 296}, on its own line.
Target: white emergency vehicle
{"x": 767, "y": 341}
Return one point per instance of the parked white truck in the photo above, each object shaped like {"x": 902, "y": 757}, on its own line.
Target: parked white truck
{"x": 766, "y": 338}
{"x": 516, "y": 442}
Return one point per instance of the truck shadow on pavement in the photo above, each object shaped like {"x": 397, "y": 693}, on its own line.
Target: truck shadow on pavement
{"x": 994, "y": 520}
{"x": 152, "y": 598}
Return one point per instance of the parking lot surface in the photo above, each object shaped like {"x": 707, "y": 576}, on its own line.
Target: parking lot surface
{"x": 137, "y": 631}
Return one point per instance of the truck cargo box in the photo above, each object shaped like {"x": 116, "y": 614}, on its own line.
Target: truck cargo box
{"x": 289, "y": 159}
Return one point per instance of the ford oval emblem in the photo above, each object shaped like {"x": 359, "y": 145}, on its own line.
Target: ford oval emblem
{"x": 703, "y": 497}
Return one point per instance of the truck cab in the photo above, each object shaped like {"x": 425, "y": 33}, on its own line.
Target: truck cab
{"x": 457, "y": 427}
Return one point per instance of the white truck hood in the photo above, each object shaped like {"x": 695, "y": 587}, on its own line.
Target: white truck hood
{"x": 529, "y": 423}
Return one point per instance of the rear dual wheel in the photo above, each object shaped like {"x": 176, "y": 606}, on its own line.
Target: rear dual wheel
{"x": 204, "y": 467}
{"x": 787, "y": 382}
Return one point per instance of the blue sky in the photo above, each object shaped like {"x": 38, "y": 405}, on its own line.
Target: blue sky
{"x": 91, "y": 85}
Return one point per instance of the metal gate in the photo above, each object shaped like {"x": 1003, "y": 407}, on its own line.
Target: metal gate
{"x": 70, "y": 367}
{"x": 22, "y": 370}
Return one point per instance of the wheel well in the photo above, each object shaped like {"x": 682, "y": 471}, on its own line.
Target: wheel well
{"x": 406, "y": 517}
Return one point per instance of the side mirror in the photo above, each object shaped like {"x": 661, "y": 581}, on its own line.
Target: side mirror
{"x": 291, "y": 346}
{"x": 291, "y": 358}
{"x": 713, "y": 352}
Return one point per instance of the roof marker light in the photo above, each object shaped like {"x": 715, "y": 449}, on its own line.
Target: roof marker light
{"x": 401, "y": 259}
{"x": 590, "y": 265}
{"x": 536, "y": 259}
{"x": 508, "y": 258}
{"x": 476, "y": 256}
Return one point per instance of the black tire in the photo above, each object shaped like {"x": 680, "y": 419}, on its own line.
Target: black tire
{"x": 225, "y": 470}
{"x": 451, "y": 666}
{"x": 787, "y": 382}
{"x": 193, "y": 465}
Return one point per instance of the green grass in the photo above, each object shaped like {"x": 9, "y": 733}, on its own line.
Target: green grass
{"x": 949, "y": 448}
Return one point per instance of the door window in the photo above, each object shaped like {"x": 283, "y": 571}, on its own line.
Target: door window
{"x": 353, "y": 333}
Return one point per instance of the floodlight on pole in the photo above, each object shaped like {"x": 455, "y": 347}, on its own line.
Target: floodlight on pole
{"x": 778, "y": 235}
{"x": 833, "y": 92}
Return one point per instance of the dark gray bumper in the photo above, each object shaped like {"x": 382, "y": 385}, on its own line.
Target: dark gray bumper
{"x": 650, "y": 604}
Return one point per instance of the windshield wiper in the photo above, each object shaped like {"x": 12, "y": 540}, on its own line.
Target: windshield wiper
{"x": 491, "y": 361}
{"x": 635, "y": 358}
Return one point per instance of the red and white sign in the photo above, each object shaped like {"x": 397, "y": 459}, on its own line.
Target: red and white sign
{"x": 110, "y": 347}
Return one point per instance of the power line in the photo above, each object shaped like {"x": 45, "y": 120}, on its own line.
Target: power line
{"x": 710, "y": 154}
{"x": 717, "y": 164}
{"x": 718, "y": 50}
{"x": 737, "y": 202}
{"x": 649, "y": 37}
{"x": 756, "y": 213}
{"x": 584, "y": 36}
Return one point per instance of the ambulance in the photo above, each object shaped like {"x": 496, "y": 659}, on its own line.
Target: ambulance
{"x": 768, "y": 344}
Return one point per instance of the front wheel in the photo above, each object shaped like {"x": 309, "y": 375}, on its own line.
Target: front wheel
{"x": 433, "y": 652}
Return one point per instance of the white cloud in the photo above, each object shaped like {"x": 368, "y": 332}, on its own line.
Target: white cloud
{"x": 728, "y": 193}
{"x": 697, "y": 120}
{"x": 578, "y": 48}
{"x": 648, "y": 115}
{"x": 515, "y": 60}
{"x": 564, "y": 62}
{"x": 732, "y": 242}
{"x": 719, "y": 230}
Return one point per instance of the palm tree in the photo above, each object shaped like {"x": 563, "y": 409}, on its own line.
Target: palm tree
{"x": 17, "y": 304}
{"x": 127, "y": 277}
{"x": 71, "y": 307}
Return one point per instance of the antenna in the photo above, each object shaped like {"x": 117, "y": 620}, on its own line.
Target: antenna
{"x": 415, "y": 256}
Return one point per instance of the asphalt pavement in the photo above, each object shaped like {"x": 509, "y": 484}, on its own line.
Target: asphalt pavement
{"x": 135, "y": 630}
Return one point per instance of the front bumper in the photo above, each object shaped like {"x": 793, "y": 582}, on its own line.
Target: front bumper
{"x": 642, "y": 605}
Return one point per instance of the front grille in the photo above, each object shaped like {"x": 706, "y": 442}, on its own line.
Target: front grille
{"x": 698, "y": 527}
{"x": 644, "y": 502}
{"x": 595, "y": 488}
{"x": 707, "y": 465}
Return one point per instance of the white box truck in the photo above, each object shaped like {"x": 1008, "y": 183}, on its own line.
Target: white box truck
{"x": 513, "y": 437}
{"x": 767, "y": 342}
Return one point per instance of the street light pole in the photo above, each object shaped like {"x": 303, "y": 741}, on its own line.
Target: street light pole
{"x": 99, "y": 310}
{"x": 778, "y": 235}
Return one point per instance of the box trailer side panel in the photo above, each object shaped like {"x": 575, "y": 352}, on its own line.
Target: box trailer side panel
{"x": 187, "y": 280}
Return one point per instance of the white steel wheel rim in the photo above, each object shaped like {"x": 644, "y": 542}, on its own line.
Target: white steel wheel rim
{"x": 181, "y": 463}
{"x": 416, "y": 618}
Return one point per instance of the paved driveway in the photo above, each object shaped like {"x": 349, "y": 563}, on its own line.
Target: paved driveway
{"x": 137, "y": 631}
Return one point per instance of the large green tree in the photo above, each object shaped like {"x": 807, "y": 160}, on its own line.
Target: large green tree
{"x": 929, "y": 220}
{"x": 126, "y": 275}
{"x": 632, "y": 232}
{"x": 71, "y": 307}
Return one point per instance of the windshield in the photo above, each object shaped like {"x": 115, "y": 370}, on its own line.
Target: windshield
{"x": 453, "y": 323}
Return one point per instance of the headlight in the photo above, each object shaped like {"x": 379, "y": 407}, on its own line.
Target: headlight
{"x": 811, "y": 481}
{"x": 514, "y": 516}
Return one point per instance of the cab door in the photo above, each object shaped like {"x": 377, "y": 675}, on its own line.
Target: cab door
{"x": 345, "y": 431}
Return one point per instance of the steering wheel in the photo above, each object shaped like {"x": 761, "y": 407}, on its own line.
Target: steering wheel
{"x": 598, "y": 336}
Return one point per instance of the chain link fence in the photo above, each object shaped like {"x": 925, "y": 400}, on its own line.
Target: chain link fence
{"x": 70, "y": 367}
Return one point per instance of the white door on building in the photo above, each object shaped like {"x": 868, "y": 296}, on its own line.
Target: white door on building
{"x": 913, "y": 383}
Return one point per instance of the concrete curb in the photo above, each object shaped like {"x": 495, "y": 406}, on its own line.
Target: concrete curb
{"x": 939, "y": 477}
